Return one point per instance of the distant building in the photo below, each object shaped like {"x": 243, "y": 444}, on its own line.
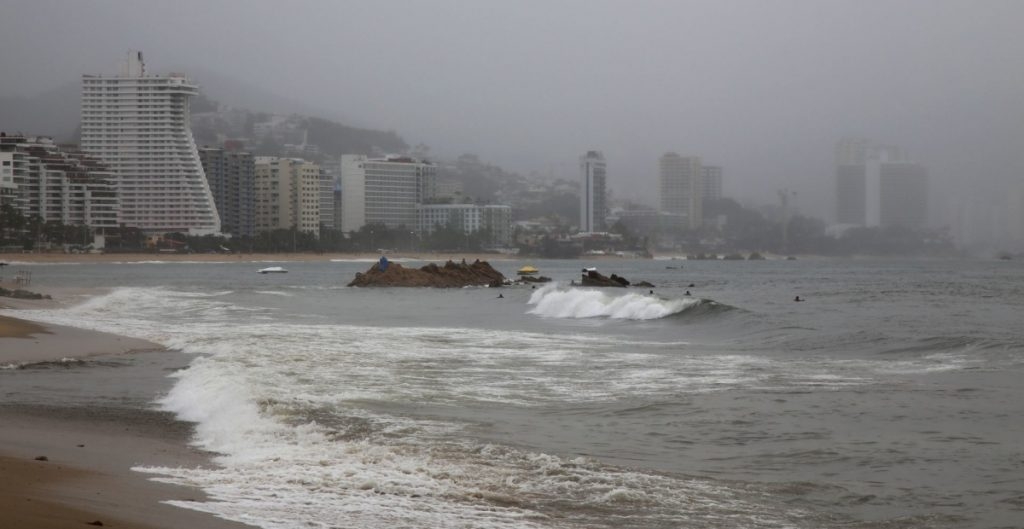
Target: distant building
{"x": 851, "y": 194}
{"x": 138, "y": 124}
{"x": 680, "y": 185}
{"x": 232, "y": 178}
{"x": 449, "y": 189}
{"x": 860, "y": 199}
{"x": 384, "y": 190}
{"x": 593, "y": 202}
{"x": 58, "y": 184}
{"x": 495, "y": 221}
{"x": 287, "y": 194}
{"x": 330, "y": 193}
{"x": 711, "y": 182}
{"x": 903, "y": 195}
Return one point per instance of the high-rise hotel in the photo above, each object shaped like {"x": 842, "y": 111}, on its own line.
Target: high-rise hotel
{"x": 680, "y": 185}
{"x": 593, "y": 204}
{"x": 878, "y": 185}
{"x": 138, "y": 125}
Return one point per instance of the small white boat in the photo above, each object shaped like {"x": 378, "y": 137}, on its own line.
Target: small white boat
{"x": 272, "y": 270}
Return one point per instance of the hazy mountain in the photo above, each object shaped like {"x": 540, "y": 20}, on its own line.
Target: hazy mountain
{"x": 239, "y": 94}
{"x": 57, "y": 112}
{"x": 51, "y": 113}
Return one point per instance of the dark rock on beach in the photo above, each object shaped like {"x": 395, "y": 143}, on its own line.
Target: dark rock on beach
{"x": 22, "y": 294}
{"x": 450, "y": 275}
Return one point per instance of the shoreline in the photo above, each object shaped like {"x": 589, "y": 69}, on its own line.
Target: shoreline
{"x": 67, "y": 461}
{"x": 60, "y": 258}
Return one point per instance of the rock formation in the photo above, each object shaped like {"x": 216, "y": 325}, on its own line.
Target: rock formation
{"x": 593, "y": 278}
{"x": 451, "y": 275}
{"x": 22, "y": 294}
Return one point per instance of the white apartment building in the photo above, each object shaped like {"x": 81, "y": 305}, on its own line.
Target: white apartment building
{"x": 287, "y": 194}
{"x": 593, "y": 204}
{"x": 139, "y": 126}
{"x": 384, "y": 190}
{"x": 494, "y": 220}
{"x": 680, "y": 184}
{"x": 65, "y": 186}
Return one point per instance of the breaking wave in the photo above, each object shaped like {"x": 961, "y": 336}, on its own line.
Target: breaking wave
{"x": 553, "y": 302}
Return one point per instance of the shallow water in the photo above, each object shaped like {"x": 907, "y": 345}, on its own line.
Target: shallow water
{"x": 890, "y": 398}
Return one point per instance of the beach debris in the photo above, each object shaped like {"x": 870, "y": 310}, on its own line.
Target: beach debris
{"x": 42, "y": 458}
{"x": 450, "y": 275}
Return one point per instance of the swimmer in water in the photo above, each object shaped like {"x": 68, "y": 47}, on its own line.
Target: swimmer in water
{"x": 500, "y": 296}
{"x": 797, "y": 299}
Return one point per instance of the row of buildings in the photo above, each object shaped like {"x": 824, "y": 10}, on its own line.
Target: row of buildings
{"x": 684, "y": 183}
{"x": 879, "y": 185}
{"x": 139, "y": 166}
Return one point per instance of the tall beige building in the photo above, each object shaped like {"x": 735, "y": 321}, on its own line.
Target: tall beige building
{"x": 680, "y": 185}
{"x": 287, "y": 194}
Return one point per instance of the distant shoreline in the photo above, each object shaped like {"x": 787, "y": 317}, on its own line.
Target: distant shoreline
{"x": 15, "y": 259}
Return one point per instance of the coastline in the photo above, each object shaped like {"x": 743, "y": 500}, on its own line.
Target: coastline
{"x": 68, "y": 462}
{"x": 15, "y": 259}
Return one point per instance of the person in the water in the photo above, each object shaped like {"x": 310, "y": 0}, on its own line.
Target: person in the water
{"x": 501, "y": 296}
{"x": 797, "y": 299}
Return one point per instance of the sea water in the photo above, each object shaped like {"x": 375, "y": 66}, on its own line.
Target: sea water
{"x": 891, "y": 397}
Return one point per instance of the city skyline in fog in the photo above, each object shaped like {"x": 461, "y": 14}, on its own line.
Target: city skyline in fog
{"x": 764, "y": 90}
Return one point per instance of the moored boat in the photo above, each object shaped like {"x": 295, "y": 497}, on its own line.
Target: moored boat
{"x": 527, "y": 270}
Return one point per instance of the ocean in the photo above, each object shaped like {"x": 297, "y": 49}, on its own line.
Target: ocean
{"x": 890, "y": 398}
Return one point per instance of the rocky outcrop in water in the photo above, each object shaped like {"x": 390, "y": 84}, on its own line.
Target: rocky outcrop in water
{"x": 593, "y": 278}
{"x": 22, "y": 294}
{"x": 450, "y": 275}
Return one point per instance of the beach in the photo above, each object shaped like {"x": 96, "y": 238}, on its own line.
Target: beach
{"x": 66, "y": 464}
{"x": 292, "y": 400}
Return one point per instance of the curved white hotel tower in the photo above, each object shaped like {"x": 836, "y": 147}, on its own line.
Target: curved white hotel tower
{"x": 139, "y": 125}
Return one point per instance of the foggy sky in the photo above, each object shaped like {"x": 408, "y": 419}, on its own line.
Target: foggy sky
{"x": 763, "y": 88}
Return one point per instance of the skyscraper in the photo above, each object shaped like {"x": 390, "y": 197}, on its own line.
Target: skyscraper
{"x": 231, "y": 175}
{"x": 873, "y": 182}
{"x": 593, "y": 204}
{"x": 138, "y": 124}
{"x": 680, "y": 183}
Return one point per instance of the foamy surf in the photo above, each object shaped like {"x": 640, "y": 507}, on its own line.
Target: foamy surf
{"x": 554, "y": 302}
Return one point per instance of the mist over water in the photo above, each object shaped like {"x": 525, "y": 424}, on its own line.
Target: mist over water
{"x": 575, "y": 407}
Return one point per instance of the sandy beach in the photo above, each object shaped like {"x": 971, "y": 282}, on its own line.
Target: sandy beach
{"x": 69, "y": 464}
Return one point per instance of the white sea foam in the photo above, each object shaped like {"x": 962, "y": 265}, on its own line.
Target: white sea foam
{"x": 285, "y": 404}
{"x": 554, "y": 302}
{"x": 273, "y": 293}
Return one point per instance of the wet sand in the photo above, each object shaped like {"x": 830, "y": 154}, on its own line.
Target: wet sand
{"x": 68, "y": 464}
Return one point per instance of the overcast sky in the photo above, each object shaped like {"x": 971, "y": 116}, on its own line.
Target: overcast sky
{"x": 763, "y": 88}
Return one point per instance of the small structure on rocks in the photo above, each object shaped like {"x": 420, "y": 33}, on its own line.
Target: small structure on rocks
{"x": 450, "y": 275}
